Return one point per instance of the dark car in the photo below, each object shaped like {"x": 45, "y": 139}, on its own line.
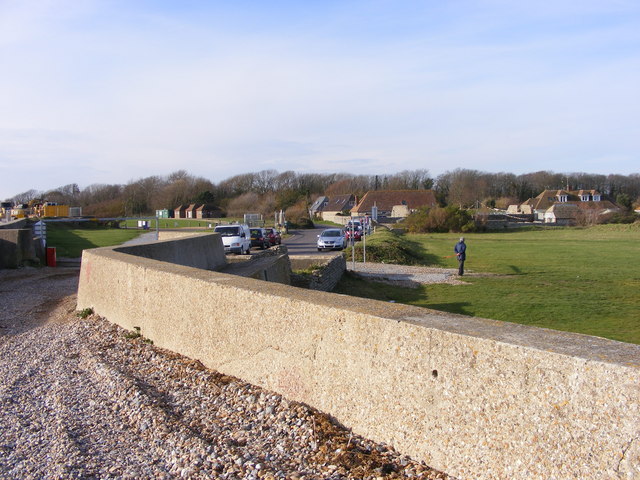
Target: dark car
{"x": 274, "y": 236}
{"x": 259, "y": 238}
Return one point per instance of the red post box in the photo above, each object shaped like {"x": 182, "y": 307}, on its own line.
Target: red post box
{"x": 51, "y": 256}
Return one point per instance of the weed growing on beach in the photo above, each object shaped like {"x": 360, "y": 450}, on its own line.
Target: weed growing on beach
{"x": 136, "y": 334}
{"x": 84, "y": 313}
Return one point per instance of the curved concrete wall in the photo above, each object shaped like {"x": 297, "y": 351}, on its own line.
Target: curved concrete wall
{"x": 204, "y": 251}
{"x": 18, "y": 247}
{"x": 478, "y": 399}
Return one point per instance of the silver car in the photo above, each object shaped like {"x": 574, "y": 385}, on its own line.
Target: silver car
{"x": 332, "y": 239}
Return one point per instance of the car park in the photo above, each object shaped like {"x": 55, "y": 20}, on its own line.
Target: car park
{"x": 332, "y": 239}
{"x": 274, "y": 236}
{"x": 259, "y": 238}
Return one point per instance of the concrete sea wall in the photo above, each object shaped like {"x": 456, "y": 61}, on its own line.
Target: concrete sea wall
{"x": 476, "y": 398}
{"x": 14, "y": 224}
{"x": 18, "y": 247}
{"x": 204, "y": 251}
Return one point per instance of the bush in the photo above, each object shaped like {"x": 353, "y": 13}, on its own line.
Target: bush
{"x": 623, "y": 217}
{"x": 440, "y": 220}
{"x": 298, "y": 216}
{"x": 388, "y": 247}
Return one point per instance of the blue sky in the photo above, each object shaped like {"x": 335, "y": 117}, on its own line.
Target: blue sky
{"x": 110, "y": 91}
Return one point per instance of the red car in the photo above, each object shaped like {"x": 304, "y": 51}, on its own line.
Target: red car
{"x": 274, "y": 236}
{"x": 357, "y": 234}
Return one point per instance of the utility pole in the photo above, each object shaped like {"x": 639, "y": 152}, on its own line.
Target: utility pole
{"x": 364, "y": 244}
{"x": 353, "y": 244}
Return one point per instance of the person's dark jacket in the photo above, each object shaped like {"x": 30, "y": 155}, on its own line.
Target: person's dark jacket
{"x": 461, "y": 248}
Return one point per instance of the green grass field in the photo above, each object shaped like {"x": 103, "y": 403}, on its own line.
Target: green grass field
{"x": 70, "y": 241}
{"x": 584, "y": 280}
{"x": 177, "y": 223}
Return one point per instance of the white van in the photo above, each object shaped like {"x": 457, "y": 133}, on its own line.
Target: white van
{"x": 236, "y": 238}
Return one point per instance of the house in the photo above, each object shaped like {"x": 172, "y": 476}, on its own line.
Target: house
{"x": 207, "y": 210}
{"x": 384, "y": 201}
{"x": 589, "y": 202}
{"x": 523, "y": 209}
{"x": 561, "y": 214}
{"x": 337, "y": 207}
{"x": 317, "y": 206}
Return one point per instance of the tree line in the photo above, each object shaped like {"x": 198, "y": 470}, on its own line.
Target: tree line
{"x": 268, "y": 191}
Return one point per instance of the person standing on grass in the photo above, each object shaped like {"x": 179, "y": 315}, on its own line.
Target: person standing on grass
{"x": 461, "y": 253}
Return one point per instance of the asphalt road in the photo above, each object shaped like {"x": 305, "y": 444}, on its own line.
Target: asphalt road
{"x": 304, "y": 241}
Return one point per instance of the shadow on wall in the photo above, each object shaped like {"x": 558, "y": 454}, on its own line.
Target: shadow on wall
{"x": 8, "y": 254}
{"x": 19, "y": 248}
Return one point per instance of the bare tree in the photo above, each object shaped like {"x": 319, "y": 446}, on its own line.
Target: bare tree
{"x": 26, "y": 197}
{"x": 245, "y": 203}
{"x": 409, "y": 180}
{"x": 464, "y": 188}
{"x": 98, "y": 193}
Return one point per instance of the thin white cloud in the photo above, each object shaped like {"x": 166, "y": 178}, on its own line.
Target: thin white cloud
{"x": 119, "y": 91}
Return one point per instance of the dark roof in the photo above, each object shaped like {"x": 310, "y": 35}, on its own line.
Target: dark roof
{"x": 564, "y": 210}
{"x": 386, "y": 199}
{"x": 338, "y": 203}
{"x": 318, "y": 204}
{"x": 550, "y": 197}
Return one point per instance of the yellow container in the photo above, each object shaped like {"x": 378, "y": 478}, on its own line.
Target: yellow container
{"x": 18, "y": 212}
{"x": 55, "y": 211}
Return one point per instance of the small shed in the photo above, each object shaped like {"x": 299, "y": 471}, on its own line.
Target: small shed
{"x": 179, "y": 212}
{"x": 164, "y": 213}
{"x": 208, "y": 211}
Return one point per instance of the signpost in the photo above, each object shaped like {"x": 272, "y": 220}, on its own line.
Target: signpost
{"x": 40, "y": 230}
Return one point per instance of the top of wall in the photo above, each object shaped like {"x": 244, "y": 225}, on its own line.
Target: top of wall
{"x": 204, "y": 251}
{"x": 14, "y": 224}
{"x": 583, "y": 346}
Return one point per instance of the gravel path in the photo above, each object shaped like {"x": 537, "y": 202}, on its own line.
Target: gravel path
{"x": 404, "y": 275}
{"x": 84, "y": 399}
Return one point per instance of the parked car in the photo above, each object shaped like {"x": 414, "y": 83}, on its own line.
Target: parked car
{"x": 259, "y": 238}
{"x": 363, "y": 227}
{"x": 357, "y": 234}
{"x": 236, "y": 238}
{"x": 274, "y": 236}
{"x": 357, "y": 225}
{"x": 332, "y": 239}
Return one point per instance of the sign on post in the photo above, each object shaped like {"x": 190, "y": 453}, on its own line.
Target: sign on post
{"x": 40, "y": 230}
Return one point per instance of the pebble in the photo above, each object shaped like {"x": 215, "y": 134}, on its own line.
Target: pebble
{"x": 80, "y": 400}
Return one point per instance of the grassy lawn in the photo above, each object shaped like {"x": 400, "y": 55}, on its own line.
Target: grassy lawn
{"x": 584, "y": 280}
{"x": 177, "y": 223}
{"x": 70, "y": 241}
{"x": 326, "y": 223}
{"x": 172, "y": 223}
